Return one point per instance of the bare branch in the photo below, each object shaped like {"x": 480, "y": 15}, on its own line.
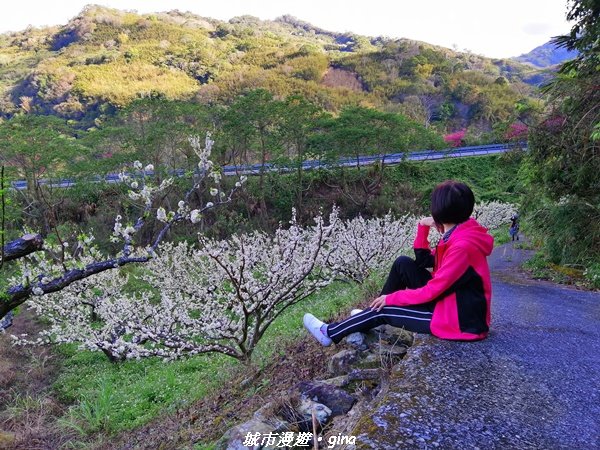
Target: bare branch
{"x": 23, "y": 246}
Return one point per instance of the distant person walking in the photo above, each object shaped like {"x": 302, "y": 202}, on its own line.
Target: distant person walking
{"x": 453, "y": 301}
{"x": 514, "y": 227}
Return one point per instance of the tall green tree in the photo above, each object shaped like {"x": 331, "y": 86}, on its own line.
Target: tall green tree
{"x": 359, "y": 131}
{"x": 152, "y": 130}
{"x": 299, "y": 120}
{"x": 564, "y": 157}
{"x": 41, "y": 150}
{"x": 253, "y": 124}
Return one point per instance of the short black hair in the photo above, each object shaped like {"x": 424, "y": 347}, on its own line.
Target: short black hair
{"x": 452, "y": 202}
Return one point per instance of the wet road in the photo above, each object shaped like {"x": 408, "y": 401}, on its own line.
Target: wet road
{"x": 533, "y": 384}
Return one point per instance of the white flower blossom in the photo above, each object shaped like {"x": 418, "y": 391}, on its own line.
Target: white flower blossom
{"x": 192, "y": 307}
{"x": 492, "y": 215}
{"x": 195, "y": 216}
{"x": 161, "y": 214}
{"x": 363, "y": 246}
{"x": 216, "y": 176}
{"x": 37, "y": 291}
{"x": 214, "y": 191}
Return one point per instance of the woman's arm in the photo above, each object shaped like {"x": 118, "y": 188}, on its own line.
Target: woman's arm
{"x": 454, "y": 265}
{"x": 423, "y": 254}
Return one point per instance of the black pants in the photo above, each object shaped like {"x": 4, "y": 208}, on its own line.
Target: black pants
{"x": 405, "y": 274}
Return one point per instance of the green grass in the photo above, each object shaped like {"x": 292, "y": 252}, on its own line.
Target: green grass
{"x": 491, "y": 177}
{"x": 114, "y": 397}
{"x": 110, "y": 398}
{"x": 541, "y": 267}
{"x": 500, "y": 235}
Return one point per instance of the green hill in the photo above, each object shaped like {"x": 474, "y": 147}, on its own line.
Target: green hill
{"x": 103, "y": 59}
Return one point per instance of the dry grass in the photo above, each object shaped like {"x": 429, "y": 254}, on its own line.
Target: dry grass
{"x": 28, "y": 412}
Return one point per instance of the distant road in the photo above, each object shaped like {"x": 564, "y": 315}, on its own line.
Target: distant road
{"x": 255, "y": 169}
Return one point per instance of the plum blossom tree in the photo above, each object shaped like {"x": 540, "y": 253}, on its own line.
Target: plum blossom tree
{"x": 62, "y": 263}
{"x": 223, "y": 295}
{"x": 363, "y": 246}
{"x": 220, "y": 297}
{"x": 494, "y": 214}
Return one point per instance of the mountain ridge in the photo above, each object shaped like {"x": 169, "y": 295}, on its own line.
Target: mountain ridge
{"x": 546, "y": 55}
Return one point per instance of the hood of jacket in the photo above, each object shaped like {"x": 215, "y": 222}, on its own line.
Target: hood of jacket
{"x": 474, "y": 233}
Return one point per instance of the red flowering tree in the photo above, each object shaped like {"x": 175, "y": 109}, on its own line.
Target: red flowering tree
{"x": 455, "y": 139}
{"x": 516, "y": 132}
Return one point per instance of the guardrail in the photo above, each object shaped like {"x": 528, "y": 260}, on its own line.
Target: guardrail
{"x": 255, "y": 169}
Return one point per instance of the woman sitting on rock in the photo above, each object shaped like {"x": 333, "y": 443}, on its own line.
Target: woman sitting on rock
{"x": 453, "y": 301}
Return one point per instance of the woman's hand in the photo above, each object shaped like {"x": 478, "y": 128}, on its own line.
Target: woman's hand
{"x": 427, "y": 221}
{"x": 378, "y": 303}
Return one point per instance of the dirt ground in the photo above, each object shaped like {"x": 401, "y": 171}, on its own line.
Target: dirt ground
{"x": 28, "y": 412}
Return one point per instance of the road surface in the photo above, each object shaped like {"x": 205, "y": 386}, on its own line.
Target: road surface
{"x": 533, "y": 384}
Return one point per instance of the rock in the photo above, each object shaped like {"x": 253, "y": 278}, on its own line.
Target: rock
{"x": 382, "y": 355}
{"x": 364, "y": 374}
{"x": 340, "y": 381}
{"x": 341, "y": 362}
{"x": 234, "y": 438}
{"x": 337, "y": 400}
{"x": 370, "y": 361}
{"x": 306, "y": 407}
{"x": 391, "y": 335}
{"x": 391, "y": 354}
{"x": 357, "y": 340}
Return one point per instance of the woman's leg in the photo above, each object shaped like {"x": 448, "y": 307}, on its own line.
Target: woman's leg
{"x": 412, "y": 318}
{"x": 405, "y": 274}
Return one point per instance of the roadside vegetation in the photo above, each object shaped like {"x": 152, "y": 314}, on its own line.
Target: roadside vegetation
{"x": 562, "y": 169}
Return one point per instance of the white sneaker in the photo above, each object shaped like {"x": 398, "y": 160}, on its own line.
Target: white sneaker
{"x": 355, "y": 312}
{"x": 313, "y": 325}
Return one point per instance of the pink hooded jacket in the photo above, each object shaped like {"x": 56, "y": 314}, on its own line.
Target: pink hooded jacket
{"x": 460, "y": 284}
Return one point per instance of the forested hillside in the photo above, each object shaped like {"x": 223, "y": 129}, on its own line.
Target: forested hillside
{"x": 103, "y": 59}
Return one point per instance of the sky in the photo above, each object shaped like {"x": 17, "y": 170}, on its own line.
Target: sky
{"x": 497, "y": 29}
